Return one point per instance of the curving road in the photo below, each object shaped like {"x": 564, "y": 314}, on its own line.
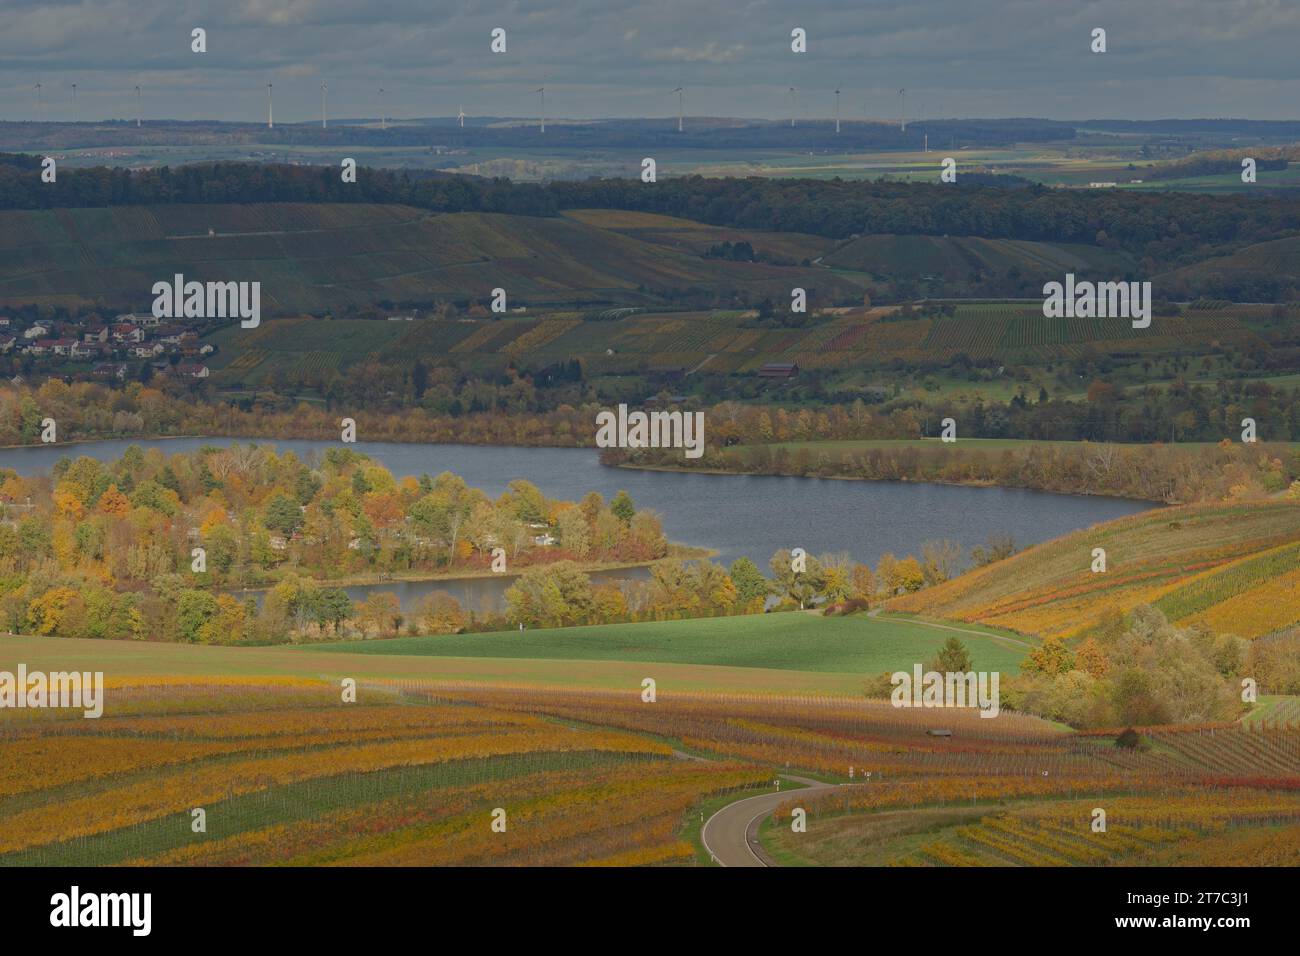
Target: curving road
{"x": 731, "y": 835}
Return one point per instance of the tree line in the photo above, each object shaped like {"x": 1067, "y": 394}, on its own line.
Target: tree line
{"x": 149, "y": 545}
{"x": 762, "y": 439}
{"x": 1134, "y": 670}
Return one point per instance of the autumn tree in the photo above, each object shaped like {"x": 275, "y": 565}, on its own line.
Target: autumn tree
{"x": 1091, "y": 658}
{"x": 551, "y": 595}
{"x": 864, "y": 582}
{"x": 1050, "y": 657}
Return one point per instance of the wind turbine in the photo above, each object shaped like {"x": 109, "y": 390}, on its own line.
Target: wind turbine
{"x": 270, "y": 108}
{"x": 680, "y": 94}
{"x": 74, "y": 102}
{"x": 40, "y": 108}
{"x": 460, "y": 117}
{"x": 793, "y": 107}
{"x": 323, "y": 123}
{"x": 137, "y": 106}
{"x": 383, "y": 117}
{"x": 902, "y": 121}
{"x": 837, "y": 109}
{"x": 542, "y": 91}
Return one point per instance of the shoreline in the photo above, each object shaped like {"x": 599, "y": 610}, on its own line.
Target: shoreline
{"x": 901, "y": 481}
{"x": 681, "y": 551}
{"x": 91, "y": 441}
{"x": 257, "y": 439}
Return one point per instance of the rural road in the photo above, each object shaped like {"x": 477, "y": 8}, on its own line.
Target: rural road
{"x": 875, "y": 612}
{"x": 731, "y": 835}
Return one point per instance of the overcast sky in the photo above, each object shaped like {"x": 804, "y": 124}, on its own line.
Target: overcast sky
{"x": 986, "y": 58}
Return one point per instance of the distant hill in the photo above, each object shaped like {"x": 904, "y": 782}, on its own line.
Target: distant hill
{"x": 1260, "y": 272}
{"x": 667, "y": 345}
{"x": 1234, "y": 568}
{"x": 327, "y": 257}
{"x": 498, "y": 132}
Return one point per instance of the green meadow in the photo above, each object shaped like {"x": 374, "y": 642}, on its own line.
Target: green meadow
{"x": 784, "y": 641}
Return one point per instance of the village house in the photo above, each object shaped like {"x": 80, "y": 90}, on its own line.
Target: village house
{"x": 37, "y": 331}
{"x": 193, "y": 371}
{"x": 147, "y": 351}
{"x": 115, "y": 370}
{"x": 143, "y": 319}
{"x": 95, "y": 333}
{"x": 125, "y": 332}
{"x": 7, "y": 343}
{"x": 541, "y": 534}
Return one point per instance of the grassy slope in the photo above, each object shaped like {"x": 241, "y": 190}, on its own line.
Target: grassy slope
{"x": 791, "y": 641}
{"x": 127, "y": 659}
{"x": 778, "y": 653}
{"x": 1192, "y": 562}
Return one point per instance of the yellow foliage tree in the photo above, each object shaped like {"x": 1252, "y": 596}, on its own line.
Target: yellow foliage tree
{"x": 113, "y": 502}
{"x": 1091, "y": 658}
{"x": 67, "y": 503}
{"x": 46, "y": 612}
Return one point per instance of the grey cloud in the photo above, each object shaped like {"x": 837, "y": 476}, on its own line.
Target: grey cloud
{"x": 615, "y": 57}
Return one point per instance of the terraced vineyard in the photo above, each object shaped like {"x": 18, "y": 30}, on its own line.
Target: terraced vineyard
{"x": 1231, "y": 828}
{"x": 285, "y": 772}
{"x": 1021, "y": 331}
{"x": 1232, "y": 567}
{"x": 955, "y": 258}
{"x": 321, "y": 257}
{"x": 296, "y": 348}
{"x": 1213, "y": 796}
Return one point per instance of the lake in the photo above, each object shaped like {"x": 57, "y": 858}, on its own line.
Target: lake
{"x": 733, "y": 514}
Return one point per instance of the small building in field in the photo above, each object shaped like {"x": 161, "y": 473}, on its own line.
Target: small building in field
{"x": 779, "y": 370}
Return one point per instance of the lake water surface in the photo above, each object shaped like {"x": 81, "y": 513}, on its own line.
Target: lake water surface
{"x": 735, "y": 515}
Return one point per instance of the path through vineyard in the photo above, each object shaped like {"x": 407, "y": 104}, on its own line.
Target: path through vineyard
{"x": 731, "y": 835}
